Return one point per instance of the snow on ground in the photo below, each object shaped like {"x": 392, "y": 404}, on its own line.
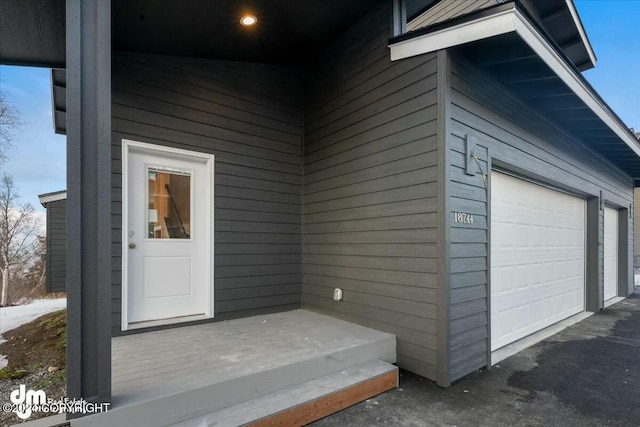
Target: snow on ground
{"x": 12, "y": 317}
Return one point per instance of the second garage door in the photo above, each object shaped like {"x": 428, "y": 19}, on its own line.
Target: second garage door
{"x": 537, "y": 257}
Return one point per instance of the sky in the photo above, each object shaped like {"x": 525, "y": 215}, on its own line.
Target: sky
{"x": 37, "y": 161}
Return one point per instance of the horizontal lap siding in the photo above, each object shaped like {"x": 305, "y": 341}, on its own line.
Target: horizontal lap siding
{"x": 446, "y": 10}
{"x": 248, "y": 116}
{"x": 56, "y": 246}
{"x": 511, "y": 133}
{"x": 370, "y": 190}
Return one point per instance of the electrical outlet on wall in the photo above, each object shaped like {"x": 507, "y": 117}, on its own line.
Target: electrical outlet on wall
{"x": 337, "y": 294}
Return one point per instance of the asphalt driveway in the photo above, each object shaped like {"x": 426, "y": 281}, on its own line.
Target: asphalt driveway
{"x": 586, "y": 375}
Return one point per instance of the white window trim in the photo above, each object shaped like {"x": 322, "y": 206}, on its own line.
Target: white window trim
{"x": 504, "y": 22}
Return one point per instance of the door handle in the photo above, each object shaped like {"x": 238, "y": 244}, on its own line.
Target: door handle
{"x": 132, "y": 245}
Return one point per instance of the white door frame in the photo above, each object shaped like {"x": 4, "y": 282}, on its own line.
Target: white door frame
{"x": 209, "y": 160}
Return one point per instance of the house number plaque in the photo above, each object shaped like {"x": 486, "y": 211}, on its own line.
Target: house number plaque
{"x": 463, "y": 218}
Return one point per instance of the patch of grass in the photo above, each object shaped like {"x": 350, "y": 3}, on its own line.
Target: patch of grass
{"x": 58, "y": 319}
{"x": 58, "y": 377}
{"x": 11, "y": 374}
{"x": 36, "y": 366}
{"x": 37, "y": 344}
{"x": 34, "y": 351}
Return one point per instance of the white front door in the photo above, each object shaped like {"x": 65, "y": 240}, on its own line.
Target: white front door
{"x": 537, "y": 258}
{"x": 610, "y": 253}
{"x": 167, "y": 235}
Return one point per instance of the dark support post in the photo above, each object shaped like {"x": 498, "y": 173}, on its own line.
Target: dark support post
{"x": 594, "y": 248}
{"x": 88, "y": 57}
{"x": 398, "y": 18}
{"x": 625, "y": 253}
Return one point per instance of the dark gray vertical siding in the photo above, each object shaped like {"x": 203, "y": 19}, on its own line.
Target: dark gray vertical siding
{"x": 370, "y": 190}
{"x": 595, "y": 254}
{"x": 56, "y": 246}
{"x": 250, "y": 117}
{"x": 511, "y": 135}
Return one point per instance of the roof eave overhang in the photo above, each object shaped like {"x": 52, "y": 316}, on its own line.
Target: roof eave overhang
{"x": 504, "y": 19}
{"x": 58, "y": 100}
{"x": 586, "y": 44}
{"x": 52, "y": 197}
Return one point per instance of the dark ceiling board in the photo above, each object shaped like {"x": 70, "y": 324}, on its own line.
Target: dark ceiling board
{"x": 518, "y": 72}
{"x": 59, "y": 98}
{"x": 558, "y": 13}
{"x": 501, "y": 60}
{"x": 559, "y": 103}
{"x": 288, "y": 31}
{"x": 524, "y": 80}
{"x": 32, "y": 33}
{"x": 599, "y": 133}
{"x": 584, "y": 115}
{"x": 59, "y": 76}
{"x": 608, "y": 149}
{"x": 586, "y": 128}
{"x": 572, "y": 43}
{"x": 542, "y": 89}
{"x": 601, "y": 141}
{"x": 535, "y": 92}
{"x": 501, "y": 51}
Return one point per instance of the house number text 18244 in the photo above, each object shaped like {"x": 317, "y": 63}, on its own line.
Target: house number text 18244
{"x": 463, "y": 218}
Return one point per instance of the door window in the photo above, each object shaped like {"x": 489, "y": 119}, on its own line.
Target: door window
{"x": 168, "y": 203}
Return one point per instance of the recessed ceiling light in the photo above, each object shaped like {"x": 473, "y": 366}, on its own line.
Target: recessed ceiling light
{"x": 248, "y": 20}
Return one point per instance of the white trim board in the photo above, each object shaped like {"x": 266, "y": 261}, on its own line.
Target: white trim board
{"x": 210, "y": 165}
{"x": 508, "y": 21}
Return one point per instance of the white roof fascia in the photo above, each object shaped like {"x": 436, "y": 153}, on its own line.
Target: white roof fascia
{"x": 485, "y": 27}
{"x": 48, "y": 198}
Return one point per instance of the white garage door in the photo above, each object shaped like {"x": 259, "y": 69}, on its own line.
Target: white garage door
{"x": 537, "y": 258}
{"x": 610, "y": 253}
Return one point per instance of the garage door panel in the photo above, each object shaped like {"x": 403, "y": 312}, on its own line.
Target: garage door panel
{"x": 537, "y": 258}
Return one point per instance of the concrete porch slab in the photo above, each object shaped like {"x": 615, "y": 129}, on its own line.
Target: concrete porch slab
{"x": 165, "y": 377}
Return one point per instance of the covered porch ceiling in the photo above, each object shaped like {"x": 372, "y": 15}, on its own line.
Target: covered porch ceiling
{"x": 287, "y": 32}
{"x": 32, "y": 33}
